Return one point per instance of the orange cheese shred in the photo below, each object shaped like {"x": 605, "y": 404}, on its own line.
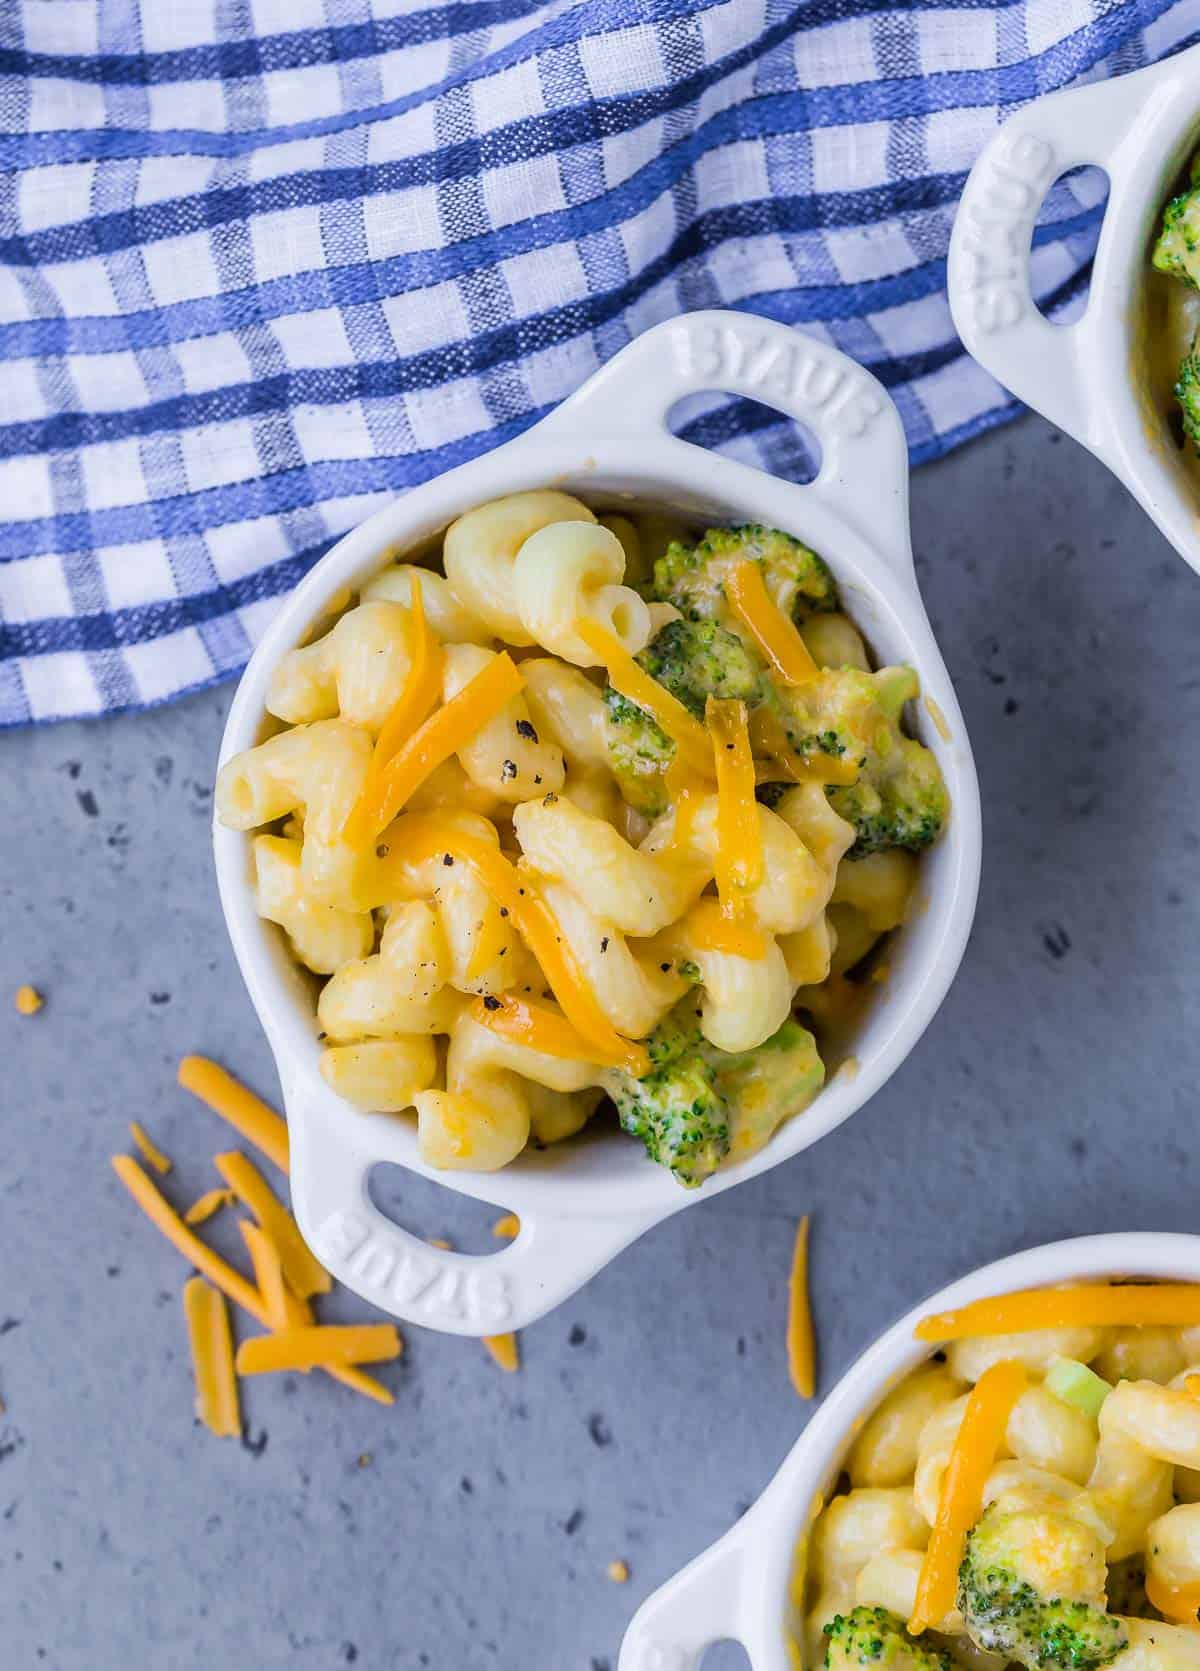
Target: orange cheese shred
{"x": 442, "y": 735}
{"x": 319, "y": 1347}
{"x": 1090, "y": 1305}
{"x": 422, "y": 687}
{"x": 221, "y": 1274}
{"x": 212, "y": 1358}
{"x": 801, "y": 1343}
{"x": 421, "y": 836}
{"x": 304, "y": 1272}
{"x": 1191, "y": 1386}
{"x": 1182, "y": 1604}
{"x": 960, "y": 1503}
{"x": 634, "y": 683}
{"x": 504, "y": 1350}
{"x": 203, "y": 1208}
{"x": 284, "y": 1308}
{"x": 150, "y": 1152}
{"x": 249, "y": 1116}
{"x": 739, "y": 862}
{"x": 540, "y": 1028}
{"x": 714, "y": 931}
{"x": 776, "y": 637}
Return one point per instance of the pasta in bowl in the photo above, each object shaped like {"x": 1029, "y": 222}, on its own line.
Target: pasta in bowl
{"x": 1008, "y": 1478}
{"x": 387, "y": 978}
{"x": 587, "y": 815}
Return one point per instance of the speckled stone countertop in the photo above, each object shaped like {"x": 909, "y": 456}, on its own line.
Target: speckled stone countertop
{"x": 470, "y": 1527}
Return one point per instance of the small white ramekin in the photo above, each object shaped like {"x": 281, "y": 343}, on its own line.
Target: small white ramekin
{"x": 1090, "y": 378}
{"x": 742, "y": 1587}
{"x": 582, "y": 1201}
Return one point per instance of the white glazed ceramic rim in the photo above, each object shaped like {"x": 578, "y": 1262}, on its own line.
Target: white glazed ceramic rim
{"x": 740, "y": 1588}
{"x": 580, "y": 1203}
{"x": 1086, "y": 377}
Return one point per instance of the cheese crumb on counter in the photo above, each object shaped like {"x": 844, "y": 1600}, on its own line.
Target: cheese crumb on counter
{"x": 618, "y": 1571}
{"x": 27, "y": 1000}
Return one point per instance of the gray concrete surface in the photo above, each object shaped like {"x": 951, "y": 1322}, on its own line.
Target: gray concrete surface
{"x": 1055, "y": 1094}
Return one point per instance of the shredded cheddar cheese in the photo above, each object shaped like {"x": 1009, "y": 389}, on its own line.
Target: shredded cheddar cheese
{"x": 1191, "y": 1386}
{"x": 422, "y": 687}
{"x": 713, "y": 931}
{"x": 739, "y": 861}
{"x": 960, "y": 1503}
{"x": 212, "y": 1358}
{"x": 507, "y": 1227}
{"x": 618, "y": 1572}
{"x": 422, "y": 836}
{"x": 221, "y": 1274}
{"x": 634, "y": 683}
{"x": 284, "y": 1309}
{"x": 503, "y": 1348}
{"x": 1090, "y": 1305}
{"x": 801, "y": 1343}
{"x": 442, "y": 734}
{"x": 203, "y": 1208}
{"x": 776, "y": 637}
{"x": 319, "y": 1347}
{"x": 304, "y": 1273}
{"x": 542, "y": 1029}
{"x": 249, "y": 1116}
{"x": 27, "y": 1000}
{"x": 150, "y": 1152}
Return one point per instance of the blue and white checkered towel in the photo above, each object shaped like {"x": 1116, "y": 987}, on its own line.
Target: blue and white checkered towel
{"x": 265, "y": 262}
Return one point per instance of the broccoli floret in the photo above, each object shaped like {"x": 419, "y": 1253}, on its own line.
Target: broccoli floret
{"x": 767, "y": 1085}
{"x": 1177, "y": 251}
{"x": 1187, "y": 393}
{"x": 676, "y": 1108}
{"x": 1031, "y": 1587}
{"x": 698, "y": 1102}
{"x": 640, "y": 751}
{"x": 698, "y": 659}
{"x": 693, "y": 577}
{"x": 900, "y": 799}
{"x": 871, "y": 1636}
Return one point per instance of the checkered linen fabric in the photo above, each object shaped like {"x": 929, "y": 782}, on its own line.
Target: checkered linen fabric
{"x": 264, "y": 263}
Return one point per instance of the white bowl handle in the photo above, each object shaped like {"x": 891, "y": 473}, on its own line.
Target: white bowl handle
{"x": 408, "y": 1277}
{"x": 864, "y": 455}
{"x": 988, "y": 269}
{"x": 699, "y": 1606}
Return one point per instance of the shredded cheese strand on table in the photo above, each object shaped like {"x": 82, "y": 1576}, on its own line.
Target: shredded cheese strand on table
{"x": 1090, "y": 1305}
{"x": 738, "y": 862}
{"x": 422, "y": 686}
{"x": 423, "y": 836}
{"x": 774, "y": 634}
{"x": 801, "y": 1342}
{"x": 222, "y": 1275}
{"x": 212, "y": 1358}
{"x": 504, "y": 1350}
{"x": 150, "y": 1152}
{"x": 636, "y": 685}
{"x": 284, "y": 1308}
{"x": 430, "y": 746}
{"x": 203, "y": 1208}
{"x": 321, "y": 1346}
{"x": 249, "y": 1116}
{"x": 305, "y": 1274}
{"x": 540, "y": 1028}
{"x": 960, "y": 1502}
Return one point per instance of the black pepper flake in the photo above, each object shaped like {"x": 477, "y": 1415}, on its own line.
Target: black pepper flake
{"x": 664, "y": 967}
{"x": 504, "y": 910}
{"x": 447, "y": 859}
{"x": 508, "y": 771}
{"x": 490, "y": 1003}
{"x": 550, "y": 799}
{"x": 537, "y": 777}
{"x": 525, "y": 729}
{"x": 604, "y": 944}
{"x": 382, "y": 851}
{"x": 729, "y": 746}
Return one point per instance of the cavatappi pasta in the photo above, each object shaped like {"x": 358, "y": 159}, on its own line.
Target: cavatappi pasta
{"x": 598, "y": 810}
{"x": 1029, "y": 1498}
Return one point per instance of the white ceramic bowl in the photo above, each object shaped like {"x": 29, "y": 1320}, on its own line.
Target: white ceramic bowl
{"x": 581, "y": 1202}
{"x": 741, "y": 1587}
{"x": 1090, "y": 378}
